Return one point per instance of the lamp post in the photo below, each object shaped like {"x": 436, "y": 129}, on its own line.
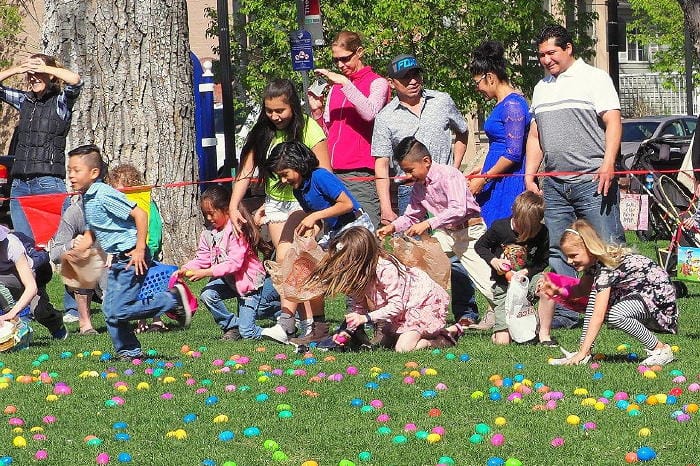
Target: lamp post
{"x": 226, "y": 90}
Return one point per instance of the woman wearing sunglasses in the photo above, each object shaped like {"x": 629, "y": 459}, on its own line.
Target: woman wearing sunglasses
{"x": 347, "y": 114}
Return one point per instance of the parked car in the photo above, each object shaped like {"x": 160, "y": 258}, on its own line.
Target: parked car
{"x": 636, "y": 130}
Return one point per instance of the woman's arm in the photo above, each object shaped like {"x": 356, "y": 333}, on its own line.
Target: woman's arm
{"x": 240, "y": 187}
{"x": 320, "y": 150}
{"x": 37, "y": 65}
{"x": 26, "y": 276}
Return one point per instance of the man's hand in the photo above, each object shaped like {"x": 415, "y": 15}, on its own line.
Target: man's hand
{"x": 605, "y": 176}
{"x": 418, "y": 229}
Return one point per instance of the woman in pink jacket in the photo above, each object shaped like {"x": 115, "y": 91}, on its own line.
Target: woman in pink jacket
{"x": 356, "y": 96}
{"x": 232, "y": 265}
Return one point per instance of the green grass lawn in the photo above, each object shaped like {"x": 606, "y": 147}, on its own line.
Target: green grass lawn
{"x": 257, "y": 380}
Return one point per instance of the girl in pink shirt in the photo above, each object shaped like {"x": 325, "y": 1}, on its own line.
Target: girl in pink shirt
{"x": 382, "y": 289}
{"x": 229, "y": 261}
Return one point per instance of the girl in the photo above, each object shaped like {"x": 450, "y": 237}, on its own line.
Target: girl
{"x": 324, "y": 198}
{"x": 127, "y": 176}
{"x": 282, "y": 119}
{"x": 518, "y": 243}
{"x": 629, "y": 292}
{"x": 413, "y": 306}
{"x": 45, "y": 113}
{"x": 231, "y": 263}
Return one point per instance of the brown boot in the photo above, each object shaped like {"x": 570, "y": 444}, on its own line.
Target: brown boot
{"x": 319, "y": 331}
{"x": 378, "y": 336}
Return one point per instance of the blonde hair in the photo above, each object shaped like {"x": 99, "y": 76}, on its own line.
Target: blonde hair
{"x": 528, "y": 213}
{"x": 348, "y": 40}
{"x": 582, "y": 233}
{"x": 351, "y": 264}
{"x": 125, "y": 175}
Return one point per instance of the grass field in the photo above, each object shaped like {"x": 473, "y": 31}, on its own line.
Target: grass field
{"x": 258, "y": 403}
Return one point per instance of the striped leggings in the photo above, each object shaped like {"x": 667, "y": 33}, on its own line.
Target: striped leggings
{"x": 628, "y": 316}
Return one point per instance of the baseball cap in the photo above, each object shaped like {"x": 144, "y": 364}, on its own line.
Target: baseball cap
{"x": 402, "y": 64}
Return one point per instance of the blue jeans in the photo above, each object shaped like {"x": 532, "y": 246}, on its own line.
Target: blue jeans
{"x": 566, "y": 202}
{"x": 263, "y": 302}
{"x": 39, "y": 185}
{"x": 121, "y": 304}
{"x": 403, "y": 197}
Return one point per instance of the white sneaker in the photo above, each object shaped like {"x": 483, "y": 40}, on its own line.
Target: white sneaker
{"x": 660, "y": 357}
{"x": 276, "y": 332}
{"x": 70, "y": 317}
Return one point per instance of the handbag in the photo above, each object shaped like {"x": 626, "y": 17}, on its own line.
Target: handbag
{"x": 521, "y": 316}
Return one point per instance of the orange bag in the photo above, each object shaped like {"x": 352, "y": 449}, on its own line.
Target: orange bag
{"x": 424, "y": 253}
{"x": 291, "y": 274}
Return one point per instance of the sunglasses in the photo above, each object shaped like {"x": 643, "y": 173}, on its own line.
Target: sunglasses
{"x": 344, "y": 59}
{"x": 477, "y": 82}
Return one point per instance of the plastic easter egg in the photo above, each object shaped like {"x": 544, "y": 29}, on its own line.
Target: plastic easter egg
{"x": 447, "y": 460}
{"x": 251, "y": 431}
{"x": 644, "y": 432}
{"x": 476, "y": 439}
{"x": 356, "y": 402}
{"x": 434, "y": 412}
{"x": 476, "y": 395}
{"x": 41, "y": 455}
{"x": 557, "y": 442}
{"x": 124, "y": 457}
{"x": 226, "y": 436}
{"x": 102, "y": 458}
{"x": 631, "y": 457}
{"x": 399, "y": 439}
{"x": 464, "y": 357}
{"x": 188, "y": 418}
{"x": 497, "y": 440}
{"x": 646, "y": 453}
{"x": 429, "y": 394}
{"x": 279, "y": 455}
{"x": 494, "y": 396}
{"x": 309, "y": 463}
{"x": 500, "y": 421}
{"x": 285, "y": 414}
{"x": 434, "y": 438}
{"x": 421, "y": 435}
{"x": 346, "y": 463}
{"x": 573, "y": 420}
{"x": 513, "y": 462}
{"x": 691, "y": 408}
{"x": 271, "y": 445}
{"x": 384, "y": 430}
{"x": 495, "y": 461}
{"x": 482, "y": 429}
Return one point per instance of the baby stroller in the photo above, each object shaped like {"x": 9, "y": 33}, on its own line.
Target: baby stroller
{"x": 656, "y": 164}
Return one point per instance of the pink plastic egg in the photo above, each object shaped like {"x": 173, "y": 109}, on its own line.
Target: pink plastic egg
{"x": 557, "y": 442}
{"x": 102, "y": 458}
{"x": 497, "y": 440}
{"x": 41, "y": 455}
{"x": 352, "y": 370}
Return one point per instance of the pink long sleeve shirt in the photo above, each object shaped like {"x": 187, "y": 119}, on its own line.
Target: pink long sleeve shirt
{"x": 231, "y": 259}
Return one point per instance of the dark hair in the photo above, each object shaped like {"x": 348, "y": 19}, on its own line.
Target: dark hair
{"x": 262, "y": 133}
{"x": 219, "y": 197}
{"x": 348, "y": 40}
{"x": 410, "y": 148}
{"x": 293, "y": 155}
{"x": 91, "y": 156}
{"x": 559, "y": 33}
{"x": 50, "y": 61}
{"x": 489, "y": 58}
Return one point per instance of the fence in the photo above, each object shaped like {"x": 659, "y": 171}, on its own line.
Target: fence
{"x": 653, "y": 94}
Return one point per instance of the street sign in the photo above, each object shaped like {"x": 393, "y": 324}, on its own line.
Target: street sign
{"x": 313, "y": 22}
{"x": 302, "y": 50}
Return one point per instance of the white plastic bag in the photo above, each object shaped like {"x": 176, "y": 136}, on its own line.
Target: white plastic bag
{"x": 521, "y": 317}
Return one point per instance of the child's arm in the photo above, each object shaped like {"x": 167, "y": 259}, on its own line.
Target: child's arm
{"x": 26, "y": 277}
{"x": 343, "y": 205}
{"x": 138, "y": 255}
{"x": 37, "y": 65}
{"x": 595, "y": 321}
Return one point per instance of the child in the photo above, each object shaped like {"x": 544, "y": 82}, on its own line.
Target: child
{"x": 120, "y": 227}
{"x": 441, "y": 190}
{"x": 126, "y": 176}
{"x": 324, "y": 198}
{"x": 231, "y": 262}
{"x": 629, "y": 292}
{"x": 523, "y": 237}
{"x": 384, "y": 290}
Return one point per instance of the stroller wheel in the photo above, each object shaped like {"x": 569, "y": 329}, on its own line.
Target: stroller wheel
{"x": 681, "y": 289}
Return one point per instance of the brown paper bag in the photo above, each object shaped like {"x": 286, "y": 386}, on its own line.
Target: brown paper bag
{"x": 83, "y": 268}
{"x": 425, "y": 254}
{"x": 291, "y": 274}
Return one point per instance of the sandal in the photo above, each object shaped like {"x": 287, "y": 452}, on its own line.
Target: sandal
{"x": 141, "y": 327}
{"x": 88, "y": 332}
{"x": 157, "y": 327}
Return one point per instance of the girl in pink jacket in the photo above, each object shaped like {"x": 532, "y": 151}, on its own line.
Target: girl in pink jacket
{"x": 231, "y": 264}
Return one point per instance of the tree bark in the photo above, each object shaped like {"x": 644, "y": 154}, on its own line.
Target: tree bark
{"x": 137, "y": 101}
{"x": 691, "y": 11}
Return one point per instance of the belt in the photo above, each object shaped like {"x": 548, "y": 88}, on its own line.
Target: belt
{"x": 470, "y": 222}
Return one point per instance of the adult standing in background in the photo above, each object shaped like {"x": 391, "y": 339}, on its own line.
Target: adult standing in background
{"x": 577, "y": 127}
{"x": 506, "y": 128}
{"x": 45, "y": 113}
{"x": 432, "y": 118}
{"x": 356, "y": 95}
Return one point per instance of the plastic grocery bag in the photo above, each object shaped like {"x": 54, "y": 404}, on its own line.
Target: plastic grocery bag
{"x": 521, "y": 316}
{"x": 291, "y": 274}
{"x": 424, "y": 253}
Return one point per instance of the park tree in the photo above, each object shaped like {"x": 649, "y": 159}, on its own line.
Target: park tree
{"x": 10, "y": 27}
{"x": 137, "y": 102}
{"x": 691, "y": 13}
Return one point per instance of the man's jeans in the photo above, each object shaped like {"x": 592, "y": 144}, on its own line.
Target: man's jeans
{"x": 566, "y": 202}
{"x": 39, "y": 185}
{"x": 264, "y": 302}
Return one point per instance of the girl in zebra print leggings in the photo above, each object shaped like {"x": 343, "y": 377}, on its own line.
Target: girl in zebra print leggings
{"x": 628, "y": 291}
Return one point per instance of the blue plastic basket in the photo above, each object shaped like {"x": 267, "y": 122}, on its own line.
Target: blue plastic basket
{"x": 156, "y": 280}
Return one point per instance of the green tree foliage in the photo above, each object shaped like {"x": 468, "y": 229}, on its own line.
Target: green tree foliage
{"x": 441, "y": 33}
{"x": 660, "y": 22}
{"x": 10, "y": 26}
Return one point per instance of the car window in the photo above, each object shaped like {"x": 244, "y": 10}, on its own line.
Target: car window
{"x": 675, "y": 128}
{"x": 691, "y": 123}
{"x": 637, "y": 131}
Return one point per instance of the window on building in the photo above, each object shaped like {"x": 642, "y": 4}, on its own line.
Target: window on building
{"x": 635, "y": 50}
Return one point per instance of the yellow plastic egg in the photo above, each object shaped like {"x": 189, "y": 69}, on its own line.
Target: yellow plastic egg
{"x": 430, "y": 371}
{"x": 599, "y": 406}
{"x": 433, "y": 438}
{"x": 588, "y": 401}
{"x": 500, "y": 421}
{"x": 168, "y": 379}
{"x": 573, "y": 420}
{"x": 51, "y": 397}
{"x": 650, "y": 374}
{"x": 143, "y": 386}
{"x": 692, "y": 408}
{"x": 221, "y": 418}
{"x": 19, "y": 442}
{"x": 644, "y": 432}
{"x": 580, "y": 392}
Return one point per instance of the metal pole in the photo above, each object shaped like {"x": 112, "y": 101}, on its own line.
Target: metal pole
{"x": 230, "y": 161}
{"x": 613, "y": 44}
{"x": 304, "y": 74}
{"x": 689, "y": 86}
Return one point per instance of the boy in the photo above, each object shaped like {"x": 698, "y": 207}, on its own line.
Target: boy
{"x": 121, "y": 228}
{"x": 441, "y": 190}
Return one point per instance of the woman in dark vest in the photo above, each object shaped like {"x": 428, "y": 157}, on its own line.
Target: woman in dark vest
{"x": 45, "y": 112}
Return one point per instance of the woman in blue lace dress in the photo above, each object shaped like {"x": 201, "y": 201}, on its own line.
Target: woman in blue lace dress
{"x": 506, "y": 127}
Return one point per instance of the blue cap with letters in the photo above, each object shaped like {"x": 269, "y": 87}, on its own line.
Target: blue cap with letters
{"x": 402, "y": 64}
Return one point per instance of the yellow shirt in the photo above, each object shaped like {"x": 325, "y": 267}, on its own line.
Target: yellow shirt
{"x": 313, "y": 134}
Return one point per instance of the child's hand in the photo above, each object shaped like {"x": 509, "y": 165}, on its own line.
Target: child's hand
{"x": 194, "y": 275}
{"x": 576, "y": 359}
{"x": 138, "y": 260}
{"x": 237, "y": 220}
{"x": 501, "y": 266}
{"x": 308, "y": 223}
{"x": 386, "y": 230}
{"x": 548, "y": 288}
{"x": 418, "y": 229}
{"x": 354, "y": 320}
{"x": 82, "y": 242}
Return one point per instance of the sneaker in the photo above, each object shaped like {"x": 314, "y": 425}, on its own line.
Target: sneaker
{"x": 70, "y": 317}
{"x": 124, "y": 357}
{"x": 485, "y": 324}
{"x": 232, "y": 334}
{"x": 660, "y": 357}
{"x": 276, "y": 332}
{"x": 182, "y": 311}
{"x": 60, "y": 334}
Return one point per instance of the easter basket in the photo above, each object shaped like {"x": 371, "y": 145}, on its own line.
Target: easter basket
{"x": 566, "y": 284}
{"x": 161, "y": 277}
{"x": 290, "y": 275}
{"x": 15, "y": 334}
{"x": 424, "y": 253}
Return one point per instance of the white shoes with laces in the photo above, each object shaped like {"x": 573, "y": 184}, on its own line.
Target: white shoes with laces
{"x": 659, "y": 357}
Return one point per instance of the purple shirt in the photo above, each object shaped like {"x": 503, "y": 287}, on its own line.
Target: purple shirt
{"x": 444, "y": 195}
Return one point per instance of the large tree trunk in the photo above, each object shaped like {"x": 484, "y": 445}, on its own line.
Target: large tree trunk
{"x": 691, "y": 10}
{"x": 137, "y": 102}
